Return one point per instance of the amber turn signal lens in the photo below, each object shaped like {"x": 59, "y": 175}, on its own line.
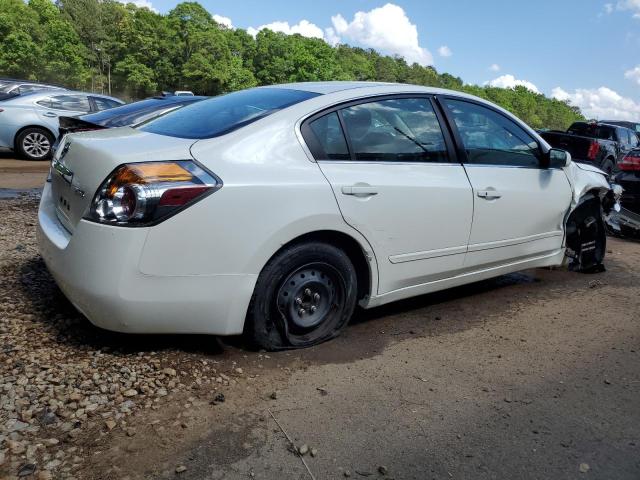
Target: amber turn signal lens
{"x": 149, "y": 173}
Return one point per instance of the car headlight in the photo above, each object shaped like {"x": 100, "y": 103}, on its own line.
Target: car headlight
{"x": 143, "y": 194}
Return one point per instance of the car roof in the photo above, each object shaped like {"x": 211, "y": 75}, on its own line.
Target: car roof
{"x": 360, "y": 88}
{"x": 41, "y": 94}
{"x": 329, "y": 87}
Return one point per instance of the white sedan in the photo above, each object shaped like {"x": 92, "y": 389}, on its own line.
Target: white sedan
{"x": 274, "y": 211}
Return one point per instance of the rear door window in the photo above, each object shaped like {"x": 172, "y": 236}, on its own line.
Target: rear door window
{"x": 104, "y": 103}
{"x": 75, "y": 103}
{"x": 328, "y": 142}
{"x": 395, "y": 130}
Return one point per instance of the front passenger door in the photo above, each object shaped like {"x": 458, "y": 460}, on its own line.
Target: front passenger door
{"x": 519, "y": 207}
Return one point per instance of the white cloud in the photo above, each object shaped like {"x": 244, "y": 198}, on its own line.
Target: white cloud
{"x": 331, "y": 37}
{"x": 141, "y": 4}
{"x": 600, "y": 102}
{"x": 632, "y": 5}
{"x": 494, "y": 67}
{"x": 608, "y": 8}
{"x": 226, "y": 21}
{"x": 633, "y": 74}
{"x": 387, "y": 29}
{"x": 445, "y": 51}
{"x": 509, "y": 81}
{"x": 304, "y": 28}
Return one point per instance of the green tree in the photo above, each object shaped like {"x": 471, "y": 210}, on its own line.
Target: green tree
{"x": 106, "y": 45}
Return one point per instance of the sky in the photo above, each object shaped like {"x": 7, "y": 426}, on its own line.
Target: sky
{"x": 583, "y": 51}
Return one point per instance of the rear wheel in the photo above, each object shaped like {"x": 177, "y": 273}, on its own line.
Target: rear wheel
{"x": 34, "y": 143}
{"x": 304, "y": 296}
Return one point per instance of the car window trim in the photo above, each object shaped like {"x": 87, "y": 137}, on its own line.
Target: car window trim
{"x": 93, "y": 106}
{"x": 307, "y": 133}
{"x": 462, "y": 152}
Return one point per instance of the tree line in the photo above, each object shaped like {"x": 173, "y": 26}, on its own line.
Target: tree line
{"x": 106, "y": 46}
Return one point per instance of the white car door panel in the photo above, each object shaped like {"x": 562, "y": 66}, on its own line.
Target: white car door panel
{"x": 519, "y": 207}
{"x": 395, "y": 184}
{"x": 526, "y": 220}
{"x": 417, "y": 222}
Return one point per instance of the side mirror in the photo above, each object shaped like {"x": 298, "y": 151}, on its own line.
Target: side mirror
{"x": 556, "y": 158}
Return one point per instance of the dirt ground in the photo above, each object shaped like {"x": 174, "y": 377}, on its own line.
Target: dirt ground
{"x": 534, "y": 375}
{"x": 21, "y": 174}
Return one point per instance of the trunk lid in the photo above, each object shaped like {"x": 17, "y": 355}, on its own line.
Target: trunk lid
{"x": 84, "y": 160}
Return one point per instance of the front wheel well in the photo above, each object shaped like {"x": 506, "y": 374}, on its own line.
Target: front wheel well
{"x": 586, "y": 234}
{"x": 347, "y": 244}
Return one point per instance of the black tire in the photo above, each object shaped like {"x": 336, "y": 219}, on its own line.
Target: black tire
{"x": 608, "y": 166}
{"x": 304, "y": 296}
{"x": 34, "y": 144}
{"x": 587, "y": 238}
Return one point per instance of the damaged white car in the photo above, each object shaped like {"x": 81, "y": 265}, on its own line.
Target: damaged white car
{"x": 274, "y": 211}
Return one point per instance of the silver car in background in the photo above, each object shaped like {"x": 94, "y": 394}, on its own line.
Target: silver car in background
{"x": 29, "y": 123}
{"x": 13, "y": 88}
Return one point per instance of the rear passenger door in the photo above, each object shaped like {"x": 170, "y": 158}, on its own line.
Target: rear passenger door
{"x": 67, "y": 105}
{"x": 394, "y": 174}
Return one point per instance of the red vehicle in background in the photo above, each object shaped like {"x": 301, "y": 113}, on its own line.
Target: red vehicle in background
{"x": 627, "y": 221}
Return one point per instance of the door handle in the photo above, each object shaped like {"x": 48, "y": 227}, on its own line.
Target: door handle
{"x": 49, "y": 114}
{"x": 359, "y": 190}
{"x": 489, "y": 194}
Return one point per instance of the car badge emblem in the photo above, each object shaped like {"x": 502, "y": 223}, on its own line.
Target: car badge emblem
{"x": 65, "y": 149}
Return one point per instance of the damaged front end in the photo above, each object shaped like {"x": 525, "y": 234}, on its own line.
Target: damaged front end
{"x": 622, "y": 220}
{"x": 594, "y": 203}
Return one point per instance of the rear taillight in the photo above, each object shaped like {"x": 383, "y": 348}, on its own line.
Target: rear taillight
{"x": 631, "y": 162}
{"x": 141, "y": 194}
{"x": 594, "y": 148}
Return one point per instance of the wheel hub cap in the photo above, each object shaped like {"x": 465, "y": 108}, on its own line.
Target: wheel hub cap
{"x": 36, "y": 144}
{"x": 306, "y": 297}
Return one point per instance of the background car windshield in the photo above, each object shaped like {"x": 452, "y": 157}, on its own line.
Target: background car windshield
{"x": 221, "y": 115}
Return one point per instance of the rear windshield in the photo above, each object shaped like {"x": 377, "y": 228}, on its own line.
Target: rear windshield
{"x": 594, "y": 131}
{"x": 220, "y": 115}
{"x": 134, "y": 112}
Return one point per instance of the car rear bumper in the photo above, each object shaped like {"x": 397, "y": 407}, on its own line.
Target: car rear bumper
{"x": 97, "y": 268}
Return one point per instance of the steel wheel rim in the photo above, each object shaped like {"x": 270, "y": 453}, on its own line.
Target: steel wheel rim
{"x": 36, "y": 144}
{"x": 309, "y": 295}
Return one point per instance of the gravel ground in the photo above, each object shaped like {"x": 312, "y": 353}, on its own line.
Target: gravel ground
{"x": 532, "y": 375}
{"x": 64, "y": 381}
